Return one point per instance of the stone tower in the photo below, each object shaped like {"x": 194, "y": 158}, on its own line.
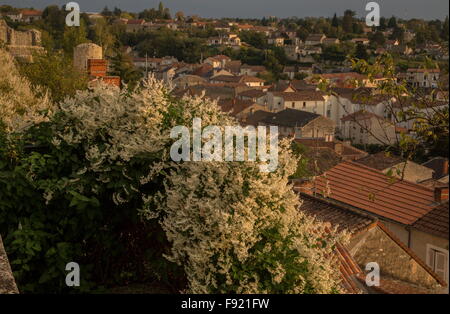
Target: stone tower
{"x": 83, "y": 52}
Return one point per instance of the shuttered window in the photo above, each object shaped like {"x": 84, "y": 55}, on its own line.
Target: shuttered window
{"x": 437, "y": 259}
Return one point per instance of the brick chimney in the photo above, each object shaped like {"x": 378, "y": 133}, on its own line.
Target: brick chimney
{"x": 97, "y": 67}
{"x": 441, "y": 194}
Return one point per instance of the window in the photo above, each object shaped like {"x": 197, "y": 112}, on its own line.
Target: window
{"x": 328, "y": 113}
{"x": 293, "y": 104}
{"x": 437, "y": 259}
{"x": 304, "y": 104}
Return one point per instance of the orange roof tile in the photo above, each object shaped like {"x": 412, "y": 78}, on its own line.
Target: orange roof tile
{"x": 372, "y": 191}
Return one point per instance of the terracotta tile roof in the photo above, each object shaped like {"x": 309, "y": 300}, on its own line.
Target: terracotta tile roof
{"x": 227, "y": 78}
{"x": 233, "y": 66}
{"x": 357, "y": 222}
{"x": 252, "y": 93}
{"x": 248, "y": 78}
{"x": 380, "y": 161}
{"x": 435, "y": 222}
{"x": 374, "y": 192}
{"x": 234, "y": 106}
{"x": 291, "y": 118}
{"x": 343, "y": 76}
{"x": 255, "y": 68}
{"x": 348, "y": 151}
{"x": 301, "y": 85}
{"x": 350, "y": 271}
{"x": 203, "y": 70}
{"x": 31, "y": 12}
{"x": 257, "y": 116}
{"x": 339, "y": 216}
{"x": 362, "y": 115}
{"x": 304, "y": 95}
{"x": 321, "y": 159}
{"x": 221, "y": 57}
{"x": 136, "y": 22}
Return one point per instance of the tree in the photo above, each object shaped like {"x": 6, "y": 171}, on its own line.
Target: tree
{"x": 103, "y": 35}
{"x": 383, "y": 25}
{"x": 361, "y": 52}
{"x": 398, "y": 34}
{"x": 392, "y": 23}
{"x": 347, "y": 22}
{"x": 377, "y": 39}
{"x": 425, "y": 119}
{"x": 73, "y": 36}
{"x": 335, "y": 21}
{"x": 117, "y": 12}
{"x": 445, "y": 29}
{"x": 255, "y": 39}
{"x": 106, "y": 12}
{"x": 53, "y": 72}
{"x": 333, "y": 53}
{"x": 102, "y": 179}
{"x": 123, "y": 66}
{"x": 357, "y": 28}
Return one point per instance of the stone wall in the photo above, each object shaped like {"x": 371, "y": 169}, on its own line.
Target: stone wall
{"x": 375, "y": 245}
{"x": 83, "y": 52}
{"x": 7, "y": 283}
{"x": 20, "y": 44}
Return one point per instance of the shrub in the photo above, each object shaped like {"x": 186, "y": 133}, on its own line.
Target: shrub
{"x": 93, "y": 183}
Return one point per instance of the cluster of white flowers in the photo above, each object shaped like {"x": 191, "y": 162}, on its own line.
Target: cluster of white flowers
{"x": 218, "y": 212}
{"x": 19, "y": 106}
{"x": 213, "y": 213}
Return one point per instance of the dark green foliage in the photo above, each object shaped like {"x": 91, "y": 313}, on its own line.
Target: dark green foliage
{"x": 110, "y": 242}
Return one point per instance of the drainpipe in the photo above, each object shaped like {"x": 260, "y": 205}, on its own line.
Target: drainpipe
{"x": 408, "y": 228}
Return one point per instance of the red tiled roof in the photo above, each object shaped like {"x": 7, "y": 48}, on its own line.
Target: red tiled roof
{"x": 304, "y": 95}
{"x": 31, "y": 13}
{"x": 343, "y": 218}
{"x": 361, "y": 115}
{"x": 435, "y": 222}
{"x": 372, "y": 191}
{"x": 252, "y": 93}
{"x": 356, "y": 222}
{"x": 136, "y": 22}
{"x": 350, "y": 271}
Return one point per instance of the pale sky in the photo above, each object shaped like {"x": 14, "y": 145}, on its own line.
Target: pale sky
{"x": 427, "y": 9}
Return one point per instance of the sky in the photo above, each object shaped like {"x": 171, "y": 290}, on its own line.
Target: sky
{"x": 427, "y": 9}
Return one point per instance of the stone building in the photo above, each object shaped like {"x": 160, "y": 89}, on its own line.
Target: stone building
{"x": 20, "y": 44}
{"x": 83, "y": 52}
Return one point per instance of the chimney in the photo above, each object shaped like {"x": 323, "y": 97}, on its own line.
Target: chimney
{"x": 339, "y": 148}
{"x": 441, "y": 194}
